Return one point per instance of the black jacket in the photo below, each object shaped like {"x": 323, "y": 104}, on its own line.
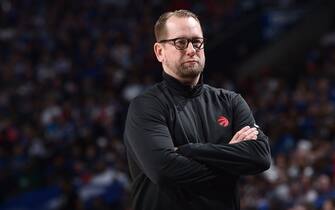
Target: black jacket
{"x": 203, "y": 173}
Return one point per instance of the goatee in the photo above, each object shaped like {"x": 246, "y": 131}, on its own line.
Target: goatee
{"x": 190, "y": 71}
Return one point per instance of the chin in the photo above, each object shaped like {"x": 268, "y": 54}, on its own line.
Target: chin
{"x": 190, "y": 73}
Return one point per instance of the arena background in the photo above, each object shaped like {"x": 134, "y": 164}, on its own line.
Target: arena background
{"x": 68, "y": 69}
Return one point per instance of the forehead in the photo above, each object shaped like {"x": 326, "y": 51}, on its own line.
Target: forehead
{"x": 183, "y": 27}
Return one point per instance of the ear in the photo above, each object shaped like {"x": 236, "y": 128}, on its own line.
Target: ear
{"x": 159, "y": 52}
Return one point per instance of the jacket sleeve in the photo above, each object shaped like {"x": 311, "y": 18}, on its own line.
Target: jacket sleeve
{"x": 244, "y": 158}
{"x": 147, "y": 136}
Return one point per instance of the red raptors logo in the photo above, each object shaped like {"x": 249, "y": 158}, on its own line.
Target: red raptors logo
{"x": 223, "y": 121}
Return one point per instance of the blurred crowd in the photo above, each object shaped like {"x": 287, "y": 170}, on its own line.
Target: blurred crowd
{"x": 69, "y": 69}
{"x": 298, "y": 115}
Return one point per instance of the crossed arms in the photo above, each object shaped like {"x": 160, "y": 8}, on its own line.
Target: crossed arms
{"x": 150, "y": 143}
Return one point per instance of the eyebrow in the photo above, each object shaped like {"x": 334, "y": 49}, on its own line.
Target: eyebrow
{"x": 184, "y": 37}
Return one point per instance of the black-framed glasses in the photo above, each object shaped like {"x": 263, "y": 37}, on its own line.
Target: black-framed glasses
{"x": 181, "y": 43}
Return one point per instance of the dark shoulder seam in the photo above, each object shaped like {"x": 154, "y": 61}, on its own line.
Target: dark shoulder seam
{"x": 153, "y": 92}
{"x": 230, "y": 93}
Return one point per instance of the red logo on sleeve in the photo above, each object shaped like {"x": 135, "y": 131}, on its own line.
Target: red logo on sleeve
{"x": 223, "y": 121}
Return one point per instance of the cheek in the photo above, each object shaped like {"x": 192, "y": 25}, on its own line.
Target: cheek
{"x": 202, "y": 56}
{"x": 174, "y": 57}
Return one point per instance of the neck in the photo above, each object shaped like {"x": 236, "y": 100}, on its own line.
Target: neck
{"x": 190, "y": 81}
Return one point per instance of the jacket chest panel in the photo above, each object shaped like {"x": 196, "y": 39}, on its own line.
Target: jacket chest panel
{"x": 195, "y": 120}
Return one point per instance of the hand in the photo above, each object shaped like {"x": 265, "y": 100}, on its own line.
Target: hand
{"x": 246, "y": 133}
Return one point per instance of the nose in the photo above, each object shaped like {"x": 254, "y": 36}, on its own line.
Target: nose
{"x": 190, "y": 50}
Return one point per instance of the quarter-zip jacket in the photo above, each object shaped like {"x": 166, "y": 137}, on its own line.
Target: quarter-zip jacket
{"x": 203, "y": 173}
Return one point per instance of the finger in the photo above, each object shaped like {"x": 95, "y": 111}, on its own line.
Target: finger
{"x": 247, "y": 132}
{"x": 235, "y": 137}
{"x": 251, "y": 133}
{"x": 240, "y": 132}
{"x": 247, "y": 135}
{"x": 250, "y": 130}
{"x": 245, "y": 128}
{"x": 251, "y": 136}
{"x": 234, "y": 141}
{"x": 239, "y": 135}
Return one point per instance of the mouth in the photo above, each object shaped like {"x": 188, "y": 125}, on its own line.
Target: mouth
{"x": 191, "y": 61}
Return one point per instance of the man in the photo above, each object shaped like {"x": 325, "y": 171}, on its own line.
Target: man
{"x": 188, "y": 143}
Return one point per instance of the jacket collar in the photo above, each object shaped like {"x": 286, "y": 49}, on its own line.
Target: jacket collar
{"x": 184, "y": 90}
